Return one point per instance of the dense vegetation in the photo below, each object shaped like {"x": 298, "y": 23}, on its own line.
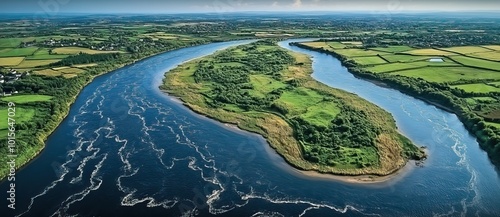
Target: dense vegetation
{"x": 260, "y": 80}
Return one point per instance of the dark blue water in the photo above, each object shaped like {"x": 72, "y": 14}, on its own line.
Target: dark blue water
{"x": 127, "y": 149}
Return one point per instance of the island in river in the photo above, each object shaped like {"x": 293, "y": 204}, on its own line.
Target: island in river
{"x": 263, "y": 88}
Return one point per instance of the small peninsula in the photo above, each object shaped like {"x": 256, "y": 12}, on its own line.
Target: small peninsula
{"x": 265, "y": 89}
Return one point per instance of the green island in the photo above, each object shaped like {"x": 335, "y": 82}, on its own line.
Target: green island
{"x": 263, "y": 88}
{"x": 464, "y": 80}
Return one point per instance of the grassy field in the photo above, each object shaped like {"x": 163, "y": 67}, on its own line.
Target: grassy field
{"x": 467, "y": 49}
{"x": 301, "y": 101}
{"x": 43, "y": 54}
{"x": 393, "y": 58}
{"x": 358, "y": 52}
{"x": 35, "y": 63}
{"x": 429, "y": 52}
{"x": 324, "y": 45}
{"x": 18, "y": 52}
{"x": 21, "y": 115}
{"x": 336, "y": 45}
{"x": 26, "y": 98}
{"x": 263, "y": 84}
{"x": 392, "y": 49}
{"x": 369, "y": 60}
{"x": 11, "y": 61}
{"x": 391, "y": 67}
{"x": 497, "y": 125}
{"x": 10, "y": 42}
{"x": 491, "y": 55}
{"x": 321, "y": 114}
{"x": 448, "y": 74}
{"x": 477, "y": 88}
{"x": 468, "y": 61}
{"x": 77, "y": 50}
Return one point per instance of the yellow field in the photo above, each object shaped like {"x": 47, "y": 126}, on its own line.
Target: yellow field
{"x": 429, "y": 52}
{"x": 71, "y": 70}
{"x": 35, "y": 63}
{"x": 317, "y": 45}
{"x": 77, "y": 50}
{"x": 357, "y": 43}
{"x": 493, "y": 47}
{"x": 492, "y": 55}
{"x": 84, "y": 65}
{"x": 11, "y": 61}
{"x": 62, "y": 67}
{"x": 467, "y": 49}
{"x": 47, "y": 72}
{"x": 69, "y": 75}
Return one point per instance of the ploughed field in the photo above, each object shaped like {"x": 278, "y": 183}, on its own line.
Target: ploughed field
{"x": 265, "y": 89}
{"x": 471, "y": 72}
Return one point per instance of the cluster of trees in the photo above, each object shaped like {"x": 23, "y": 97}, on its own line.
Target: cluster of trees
{"x": 84, "y": 58}
{"x": 350, "y": 128}
{"x": 231, "y": 82}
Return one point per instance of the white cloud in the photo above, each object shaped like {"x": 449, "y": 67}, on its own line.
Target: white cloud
{"x": 297, "y": 4}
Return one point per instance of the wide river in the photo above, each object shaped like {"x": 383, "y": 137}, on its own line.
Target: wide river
{"x": 127, "y": 149}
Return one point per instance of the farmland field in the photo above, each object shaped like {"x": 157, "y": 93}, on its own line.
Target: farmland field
{"x": 392, "y": 49}
{"x": 85, "y": 65}
{"x": 10, "y": 61}
{"x": 448, "y": 74}
{"x": 468, "y": 61}
{"x": 467, "y": 49}
{"x": 77, "y": 50}
{"x": 429, "y": 52}
{"x": 71, "y": 70}
{"x": 336, "y": 45}
{"x": 405, "y": 58}
{"x": 358, "y": 52}
{"x": 493, "y": 47}
{"x": 391, "y": 67}
{"x": 369, "y": 60}
{"x": 35, "y": 63}
{"x": 10, "y": 42}
{"x": 477, "y": 88}
{"x": 43, "y": 54}
{"x": 47, "y": 72}
{"x": 492, "y": 55}
{"x": 26, "y": 98}
{"x": 18, "y": 52}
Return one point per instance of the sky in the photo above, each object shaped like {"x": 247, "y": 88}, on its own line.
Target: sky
{"x": 220, "y": 6}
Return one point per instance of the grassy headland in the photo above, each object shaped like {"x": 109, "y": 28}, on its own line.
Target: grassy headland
{"x": 265, "y": 89}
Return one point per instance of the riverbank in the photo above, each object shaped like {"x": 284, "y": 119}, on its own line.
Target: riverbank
{"x": 298, "y": 171}
{"x": 281, "y": 129}
{"x": 442, "y": 97}
{"x": 25, "y": 158}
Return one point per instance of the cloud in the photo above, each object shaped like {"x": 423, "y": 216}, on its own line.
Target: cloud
{"x": 297, "y": 4}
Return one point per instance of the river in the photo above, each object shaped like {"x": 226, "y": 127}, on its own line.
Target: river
{"x": 127, "y": 149}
